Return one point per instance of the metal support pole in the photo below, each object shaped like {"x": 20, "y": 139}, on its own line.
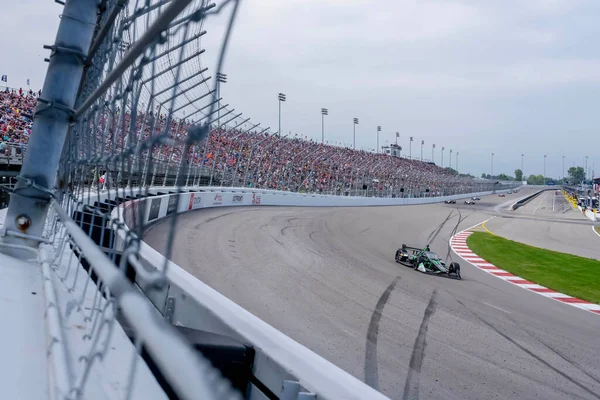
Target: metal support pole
{"x": 322, "y": 128}
{"x": 32, "y": 194}
{"x": 457, "y": 162}
{"x": 442, "y": 164}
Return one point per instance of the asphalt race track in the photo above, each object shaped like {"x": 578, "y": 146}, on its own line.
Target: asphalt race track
{"x": 549, "y": 222}
{"x": 327, "y": 278}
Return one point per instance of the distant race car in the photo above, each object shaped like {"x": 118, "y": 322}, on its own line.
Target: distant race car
{"x": 501, "y": 195}
{"x": 469, "y": 202}
{"x": 450, "y": 201}
{"x": 426, "y": 261}
{"x": 475, "y": 198}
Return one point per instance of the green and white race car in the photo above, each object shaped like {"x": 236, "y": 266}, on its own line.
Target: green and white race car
{"x": 426, "y": 261}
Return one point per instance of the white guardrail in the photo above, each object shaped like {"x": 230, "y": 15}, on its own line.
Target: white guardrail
{"x": 193, "y": 304}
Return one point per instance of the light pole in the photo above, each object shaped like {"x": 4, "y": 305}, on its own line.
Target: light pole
{"x": 422, "y": 143}
{"x": 221, "y": 78}
{"x": 457, "y": 162}
{"x": 443, "y": 148}
{"x": 281, "y": 98}
{"x": 522, "y": 173}
{"x": 492, "y": 174}
{"x": 563, "y": 169}
{"x": 378, "y": 130}
{"x": 397, "y": 136}
{"x": 410, "y": 148}
{"x": 586, "y": 170}
{"x": 432, "y": 149}
{"x": 544, "y": 169}
{"x": 450, "y": 159}
{"x": 354, "y": 135}
{"x": 324, "y": 112}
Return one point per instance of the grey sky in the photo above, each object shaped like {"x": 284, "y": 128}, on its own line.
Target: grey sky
{"x": 503, "y": 76}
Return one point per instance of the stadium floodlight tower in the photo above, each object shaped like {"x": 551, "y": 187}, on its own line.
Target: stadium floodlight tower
{"x": 586, "y": 169}
{"x": 442, "y": 163}
{"x": 456, "y": 162}
{"x": 221, "y": 78}
{"x": 378, "y": 130}
{"x": 324, "y": 112}
{"x": 354, "y": 134}
{"x": 492, "y": 174}
{"x": 410, "y": 147}
{"x": 522, "y": 155}
{"x": 422, "y": 143}
{"x": 432, "y": 150}
{"x": 563, "y": 168}
{"x": 450, "y": 159}
{"x": 281, "y": 98}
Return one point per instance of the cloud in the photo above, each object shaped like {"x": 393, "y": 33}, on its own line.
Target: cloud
{"x": 509, "y": 76}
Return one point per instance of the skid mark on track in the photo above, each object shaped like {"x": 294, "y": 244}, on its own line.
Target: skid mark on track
{"x": 559, "y": 353}
{"x": 411, "y": 387}
{"x": 371, "y": 371}
{"x": 364, "y": 230}
{"x": 531, "y": 353}
{"x": 206, "y": 221}
{"x": 437, "y": 230}
{"x": 460, "y": 219}
{"x": 310, "y": 235}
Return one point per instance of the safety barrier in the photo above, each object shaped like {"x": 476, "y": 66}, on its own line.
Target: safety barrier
{"x": 525, "y": 200}
{"x": 592, "y": 215}
{"x": 279, "y": 360}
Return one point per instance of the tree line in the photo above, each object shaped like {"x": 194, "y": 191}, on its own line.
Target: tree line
{"x": 576, "y": 175}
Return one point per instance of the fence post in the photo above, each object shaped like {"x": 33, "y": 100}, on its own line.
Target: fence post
{"x": 32, "y": 194}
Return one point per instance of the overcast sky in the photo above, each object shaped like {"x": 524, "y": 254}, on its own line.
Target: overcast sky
{"x": 502, "y": 76}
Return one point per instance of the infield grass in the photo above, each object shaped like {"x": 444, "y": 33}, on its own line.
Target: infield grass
{"x": 565, "y": 273}
{"x": 597, "y": 228}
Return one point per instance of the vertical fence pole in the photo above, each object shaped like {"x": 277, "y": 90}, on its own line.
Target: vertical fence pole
{"x": 32, "y": 194}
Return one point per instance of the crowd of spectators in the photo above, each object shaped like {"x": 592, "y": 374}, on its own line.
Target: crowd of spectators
{"x": 299, "y": 164}
{"x": 254, "y": 159}
{"x": 16, "y": 119}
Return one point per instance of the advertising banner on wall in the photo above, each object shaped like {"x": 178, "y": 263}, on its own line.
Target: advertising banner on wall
{"x": 237, "y": 198}
{"x": 154, "y": 209}
{"x": 172, "y": 207}
{"x": 133, "y": 213}
{"x": 255, "y": 199}
{"x": 218, "y": 199}
{"x": 195, "y": 201}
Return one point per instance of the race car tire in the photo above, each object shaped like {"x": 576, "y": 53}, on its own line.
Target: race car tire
{"x": 397, "y": 258}
{"x": 455, "y": 268}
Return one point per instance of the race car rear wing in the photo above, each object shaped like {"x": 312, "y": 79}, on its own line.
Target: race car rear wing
{"x": 414, "y": 249}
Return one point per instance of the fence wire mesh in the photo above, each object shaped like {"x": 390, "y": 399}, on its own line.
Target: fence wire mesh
{"x": 148, "y": 113}
{"x": 143, "y": 107}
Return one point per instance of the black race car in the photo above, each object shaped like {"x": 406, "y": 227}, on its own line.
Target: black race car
{"x": 449, "y": 201}
{"x": 426, "y": 261}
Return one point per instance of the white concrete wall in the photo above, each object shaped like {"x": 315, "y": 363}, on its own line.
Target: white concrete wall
{"x": 200, "y": 307}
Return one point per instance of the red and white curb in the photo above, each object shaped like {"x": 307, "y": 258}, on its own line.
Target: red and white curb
{"x": 459, "y": 246}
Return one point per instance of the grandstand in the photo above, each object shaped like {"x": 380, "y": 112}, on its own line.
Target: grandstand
{"x": 114, "y": 143}
{"x": 256, "y": 159}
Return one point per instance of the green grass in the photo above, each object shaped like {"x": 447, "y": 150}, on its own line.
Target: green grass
{"x": 597, "y": 228}
{"x": 565, "y": 273}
